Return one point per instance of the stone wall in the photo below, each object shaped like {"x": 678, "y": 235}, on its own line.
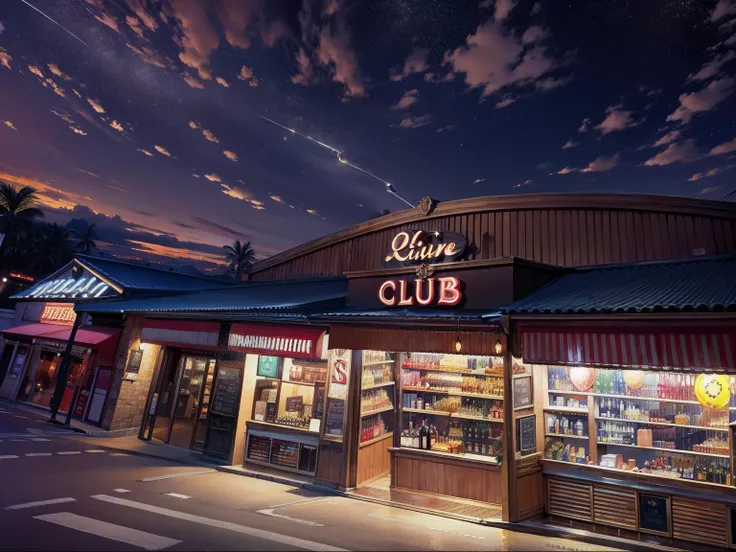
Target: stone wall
{"x": 127, "y": 401}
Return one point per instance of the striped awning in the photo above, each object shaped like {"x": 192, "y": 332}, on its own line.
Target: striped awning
{"x": 181, "y": 333}
{"x": 695, "y": 350}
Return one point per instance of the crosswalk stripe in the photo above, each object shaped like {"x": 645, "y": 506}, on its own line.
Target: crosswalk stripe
{"x": 6, "y": 456}
{"x": 95, "y": 450}
{"x": 242, "y": 529}
{"x": 120, "y": 491}
{"x": 40, "y": 440}
{"x": 178, "y": 495}
{"x": 69, "y": 452}
{"x": 38, "y": 454}
{"x": 120, "y": 533}
{"x": 40, "y": 503}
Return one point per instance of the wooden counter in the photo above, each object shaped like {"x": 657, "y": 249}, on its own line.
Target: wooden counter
{"x": 449, "y": 474}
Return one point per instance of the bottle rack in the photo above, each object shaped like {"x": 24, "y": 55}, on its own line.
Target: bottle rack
{"x": 659, "y": 428}
{"x": 377, "y": 396}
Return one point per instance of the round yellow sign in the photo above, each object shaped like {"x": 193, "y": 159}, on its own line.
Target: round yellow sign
{"x": 634, "y": 378}
{"x": 712, "y": 390}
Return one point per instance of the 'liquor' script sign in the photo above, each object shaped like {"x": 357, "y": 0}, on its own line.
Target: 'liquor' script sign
{"x": 417, "y": 246}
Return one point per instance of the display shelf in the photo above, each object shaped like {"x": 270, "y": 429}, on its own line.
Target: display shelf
{"x": 457, "y": 371}
{"x": 378, "y": 385}
{"x": 378, "y": 362}
{"x": 418, "y": 411}
{"x": 376, "y": 439}
{"x": 489, "y": 461}
{"x": 664, "y": 424}
{"x": 567, "y": 436}
{"x": 372, "y": 412}
{"x": 453, "y": 394}
{"x": 565, "y": 410}
{"x": 476, "y": 418}
{"x": 627, "y": 397}
{"x": 672, "y": 451}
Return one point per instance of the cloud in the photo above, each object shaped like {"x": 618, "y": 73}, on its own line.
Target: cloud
{"x": 585, "y": 125}
{"x": 149, "y": 56}
{"x": 712, "y": 68}
{"x": 722, "y": 9}
{"x": 36, "y": 71}
{"x": 63, "y": 115}
{"x": 195, "y": 175}
{"x": 193, "y": 124}
{"x": 505, "y": 103}
{"x": 192, "y": 81}
{"x": 277, "y": 199}
{"x": 493, "y": 59}
{"x": 146, "y": 152}
{"x": 313, "y": 212}
{"x": 10, "y": 125}
{"x": 222, "y": 82}
{"x": 600, "y": 164}
{"x": 617, "y": 119}
{"x": 108, "y": 20}
{"x": 711, "y": 172}
{"x": 49, "y": 195}
{"x": 525, "y": 183}
{"x": 235, "y": 192}
{"x": 77, "y": 94}
{"x": 58, "y": 90}
{"x": 5, "y": 58}
{"x": 58, "y": 72}
{"x": 246, "y": 75}
{"x": 336, "y": 54}
{"x": 89, "y": 173}
{"x": 570, "y": 144}
{"x": 209, "y": 135}
{"x": 728, "y": 147}
{"x": 416, "y": 122}
{"x": 138, "y": 7}
{"x": 710, "y": 189}
{"x": 2, "y": 27}
{"x": 446, "y": 128}
{"x": 536, "y": 8}
{"x": 701, "y": 101}
{"x": 415, "y": 63}
{"x": 212, "y": 177}
{"x": 162, "y": 150}
{"x": 478, "y": 180}
{"x": 305, "y": 71}
{"x": 96, "y": 105}
{"x": 674, "y": 153}
{"x": 197, "y": 37}
{"x": 409, "y": 98}
{"x": 235, "y": 17}
{"x": 503, "y": 8}
{"x": 77, "y": 130}
{"x": 668, "y": 138}
{"x": 231, "y": 155}
{"x": 534, "y": 34}
{"x": 551, "y": 83}
{"x": 135, "y": 25}
{"x": 117, "y": 126}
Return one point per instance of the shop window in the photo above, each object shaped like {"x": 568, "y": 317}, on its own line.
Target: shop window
{"x": 637, "y": 420}
{"x": 340, "y": 362}
{"x": 377, "y": 395}
{"x": 290, "y": 392}
{"x": 453, "y": 404}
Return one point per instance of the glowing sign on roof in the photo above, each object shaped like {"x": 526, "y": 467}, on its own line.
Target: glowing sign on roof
{"x": 71, "y": 288}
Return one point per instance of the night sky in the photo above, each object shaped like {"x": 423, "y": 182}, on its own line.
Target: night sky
{"x": 145, "y": 116}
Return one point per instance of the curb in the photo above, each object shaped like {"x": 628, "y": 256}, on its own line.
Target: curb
{"x": 202, "y": 463}
{"x": 283, "y": 480}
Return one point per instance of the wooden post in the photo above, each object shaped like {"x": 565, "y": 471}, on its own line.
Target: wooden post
{"x": 63, "y": 373}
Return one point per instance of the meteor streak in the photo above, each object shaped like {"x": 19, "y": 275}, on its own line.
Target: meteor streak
{"x": 55, "y": 22}
{"x": 340, "y": 157}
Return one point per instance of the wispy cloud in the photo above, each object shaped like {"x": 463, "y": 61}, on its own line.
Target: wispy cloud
{"x": 478, "y": 180}
{"x": 600, "y": 164}
{"x": 409, "y": 98}
{"x": 10, "y": 125}
{"x": 209, "y": 135}
{"x": 222, "y": 82}
{"x": 722, "y": 149}
{"x": 96, "y": 105}
{"x": 58, "y": 72}
{"x": 145, "y": 152}
{"x": 231, "y": 155}
{"x": 5, "y": 58}
{"x": 675, "y": 153}
{"x": 416, "y": 122}
{"x": 212, "y": 177}
{"x": 585, "y": 125}
{"x": 570, "y": 144}
{"x": 617, "y": 119}
{"x": 162, "y": 150}
{"x": 246, "y": 75}
{"x": 694, "y": 103}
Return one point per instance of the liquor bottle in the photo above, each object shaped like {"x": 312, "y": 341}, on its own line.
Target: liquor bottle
{"x": 424, "y": 439}
{"x": 550, "y": 424}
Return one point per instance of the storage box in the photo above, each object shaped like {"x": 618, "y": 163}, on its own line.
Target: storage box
{"x": 611, "y": 460}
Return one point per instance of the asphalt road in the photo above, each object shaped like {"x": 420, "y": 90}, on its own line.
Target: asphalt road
{"x": 60, "y": 494}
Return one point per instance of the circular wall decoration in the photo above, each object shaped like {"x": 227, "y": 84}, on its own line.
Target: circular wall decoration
{"x": 634, "y": 378}
{"x": 712, "y": 390}
{"x": 582, "y": 379}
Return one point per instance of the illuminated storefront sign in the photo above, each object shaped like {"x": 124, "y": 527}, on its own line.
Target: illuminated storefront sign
{"x": 70, "y": 287}
{"x": 417, "y": 247}
{"x": 277, "y": 340}
{"x": 63, "y": 314}
{"x": 442, "y": 291}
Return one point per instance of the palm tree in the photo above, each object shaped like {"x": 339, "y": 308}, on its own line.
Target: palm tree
{"x": 18, "y": 210}
{"x": 86, "y": 242}
{"x": 54, "y": 248}
{"x": 239, "y": 257}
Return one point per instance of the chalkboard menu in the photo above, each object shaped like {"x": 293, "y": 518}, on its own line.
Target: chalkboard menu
{"x": 295, "y": 404}
{"x": 335, "y": 416}
{"x": 134, "y": 364}
{"x": 526, "y": 435}
{"x": 319, "y": 401}
{"x": 654, "y": 514}
{"x": 227, "y": 390}
{"x": 523, "y": 393}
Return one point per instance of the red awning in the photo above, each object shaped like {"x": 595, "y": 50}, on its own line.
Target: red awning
{"x": 97, "y": 337}
{"x": 268, "y": 339}
{"x": 177, "y": 333}
{"x": 34, "y": 330}
{"x": 692, "y": 350}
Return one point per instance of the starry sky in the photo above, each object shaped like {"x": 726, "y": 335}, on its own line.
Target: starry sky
{"x": 151, "y": 117}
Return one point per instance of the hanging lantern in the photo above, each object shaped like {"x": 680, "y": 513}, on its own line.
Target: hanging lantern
{"x": 634, "y": 378}
{"x": 582, "y": 379}
{"x": 712, "y": 390}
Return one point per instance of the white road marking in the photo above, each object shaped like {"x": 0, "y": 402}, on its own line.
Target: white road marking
{"x": 242, "y": 529}
{"x": 120, "y": 533}
{"x": 177, "y": 495}
{"x": 119, "y": 454}
{"x": 172, "y": 475}
{"x": 40, "y": 440}
{"x": 68, "y": 452}
{"x": 120, "y": 491}
{"x": 38, "y": 454}
{"x": 95, "y": 450}
{"x": 22, "y": 417}
{"x": 40, "y": 503}
{"x": 271, "y": 513}
{"x": 297, "y": 502}
{"x": 17, "y": 440}
{"x": 6, "y": 456}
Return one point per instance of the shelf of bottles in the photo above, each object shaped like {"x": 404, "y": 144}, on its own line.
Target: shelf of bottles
{"x": 377, "y": 395}
{"x": 644, "y": 422}
{"x": 452, "y": 404}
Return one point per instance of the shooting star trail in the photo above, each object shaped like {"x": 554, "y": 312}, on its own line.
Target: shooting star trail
{"x": 55, "y": 22}
{"x": 340, "y": 157}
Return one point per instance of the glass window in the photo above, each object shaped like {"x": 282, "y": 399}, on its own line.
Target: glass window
{"x": 340, "y": 362}
{"x": 377, "y": 395}
{"x": 290, "y": 392}
{"x": 453, "y": 404}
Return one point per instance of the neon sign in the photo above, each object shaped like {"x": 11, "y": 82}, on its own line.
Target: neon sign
{"x": 442, "y": 291}
{"x": 58, "y": 313}
{"x": 417, "y": 247}
{"x": 69, "y": 287}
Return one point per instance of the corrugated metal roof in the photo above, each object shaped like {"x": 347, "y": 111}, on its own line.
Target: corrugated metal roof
{"x": 688, "y": 285}
{"x": 246, "y": 297}
{"x": 406, "y": 314}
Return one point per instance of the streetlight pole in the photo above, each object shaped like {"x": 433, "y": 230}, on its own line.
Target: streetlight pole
{"x": 63, "y": 372}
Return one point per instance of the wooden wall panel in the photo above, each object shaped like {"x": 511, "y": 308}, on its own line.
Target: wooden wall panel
{"x": 374, "y": 460}
{"x": 697, "y": 521}
{"x": 558, "y": 236}
{"x": 615, "y": 507}
{"x": 569, "y": 499}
